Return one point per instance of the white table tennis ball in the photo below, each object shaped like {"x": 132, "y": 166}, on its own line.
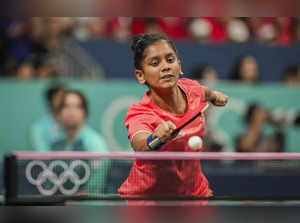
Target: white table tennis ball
{"x": 195, "y": 142}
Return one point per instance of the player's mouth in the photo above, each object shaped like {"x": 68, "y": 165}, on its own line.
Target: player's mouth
{"x": 167, "y": 77}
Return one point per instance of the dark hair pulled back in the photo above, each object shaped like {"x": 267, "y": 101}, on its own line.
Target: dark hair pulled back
{"x": 142, "y": 41}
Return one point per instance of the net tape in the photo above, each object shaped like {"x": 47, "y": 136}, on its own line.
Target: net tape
{"x": 157, "y": 155}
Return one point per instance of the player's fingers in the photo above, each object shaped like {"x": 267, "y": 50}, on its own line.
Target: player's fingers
{"x": 166, "y": 127}
{"x": 165, "y": 130}
{"x": 171, "y": 125}
{"x": 224, "y": 99}
{"x": 160, "y": 129}
{"x": 221, "y": 100}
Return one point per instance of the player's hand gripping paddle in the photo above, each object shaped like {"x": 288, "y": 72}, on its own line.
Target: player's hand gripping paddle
{"x": 187, "y": 119}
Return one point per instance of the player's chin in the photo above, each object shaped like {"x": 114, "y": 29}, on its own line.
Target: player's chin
{"x": 168, "y": 83}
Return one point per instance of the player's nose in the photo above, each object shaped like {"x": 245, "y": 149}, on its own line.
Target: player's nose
{"x": 165, "y": 67}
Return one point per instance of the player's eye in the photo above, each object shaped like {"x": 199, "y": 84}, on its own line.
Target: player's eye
{"x": 154, "y": 63}
{"x": 170, "y": 59}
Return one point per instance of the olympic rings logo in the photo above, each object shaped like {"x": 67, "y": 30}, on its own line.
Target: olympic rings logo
{"x": 47, "y": 174}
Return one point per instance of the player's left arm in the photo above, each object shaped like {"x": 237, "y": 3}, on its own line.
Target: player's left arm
{"x": 215, "y": 97}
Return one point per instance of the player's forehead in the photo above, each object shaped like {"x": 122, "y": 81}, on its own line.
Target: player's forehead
{"x": 158, "y": 49}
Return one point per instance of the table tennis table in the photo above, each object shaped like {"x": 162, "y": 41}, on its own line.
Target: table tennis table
{"x": 214, "y": 210}
{"x": 187, "y": 211}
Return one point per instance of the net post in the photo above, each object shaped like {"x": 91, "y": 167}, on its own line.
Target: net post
{"x": 10, "y": 179}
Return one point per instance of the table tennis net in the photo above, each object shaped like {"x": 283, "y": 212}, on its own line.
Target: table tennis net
{"x": 58, "y": 176}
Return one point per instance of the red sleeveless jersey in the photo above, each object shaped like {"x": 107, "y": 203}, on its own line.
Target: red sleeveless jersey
{"x": 166, "y": 177}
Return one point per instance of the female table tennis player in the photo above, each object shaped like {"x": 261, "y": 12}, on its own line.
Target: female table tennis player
{"x": 157, "y": 65}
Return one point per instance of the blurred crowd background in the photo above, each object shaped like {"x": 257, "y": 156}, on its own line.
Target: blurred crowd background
{"x": 29, "y": 46}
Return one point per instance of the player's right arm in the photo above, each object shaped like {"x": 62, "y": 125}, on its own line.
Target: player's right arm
{"x": 163, "y": 131}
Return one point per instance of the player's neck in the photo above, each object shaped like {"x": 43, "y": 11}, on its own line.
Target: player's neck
{"x": 172, "y": 100}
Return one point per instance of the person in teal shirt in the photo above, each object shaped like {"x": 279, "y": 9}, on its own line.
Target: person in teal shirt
{"x": 75, "y": 135}
{"x": 44, "y": 131}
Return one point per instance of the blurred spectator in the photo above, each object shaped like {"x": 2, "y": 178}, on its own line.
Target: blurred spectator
{"x": 208, "y": 30}
{"x": 63, "y": 57}
{"x": 291, "y": 76}
{"x": 296, "y": 31}
{"x": 201, "y": 30}
{"x": 66, "y": 130}
{"x": 277, "y": 31}
{"x": 245, "y": 70}
{"x": 15, "y": 45}
{"x": 45, "y": 70}
{"x": 237, "y": 31}
{"x": 174, "y": 27}
{"x": 28, "y": 41}
{"x": 76, "y": 135}
{"x": 267, "y": 31}
{"x": 82, "y": 30}
{"x": 57, "y": 28}
{"x": 70, "y": 110}
{"x": 253, "y": 25}
{"x": 138, "y": 25}
{"x": 45, "y": 131}
{"x": 255, "y": 139}
{"x": 212, "y": 140}
{"x": 153, "y": 27}
{"x": 118, "y": 28}
{"x": 285, "y": 30}
{"x": 97, "y": 28}
{"x": 204, "y": 73}
{"x": 25, "y": 71}
{"x": 145, "y": 25}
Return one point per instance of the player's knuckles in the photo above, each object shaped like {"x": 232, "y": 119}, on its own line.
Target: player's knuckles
{"x": 171, "y": 125}
{"x": 163, "y": 132}
{"x": 166, "y": 129}
{"x": 162, "y": 127}
{"x": 165, "y": 125}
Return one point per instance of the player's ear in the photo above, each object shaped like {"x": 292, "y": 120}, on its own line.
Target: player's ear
{"x": 180, "y": 70}
{"x": 140, "y": 76}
